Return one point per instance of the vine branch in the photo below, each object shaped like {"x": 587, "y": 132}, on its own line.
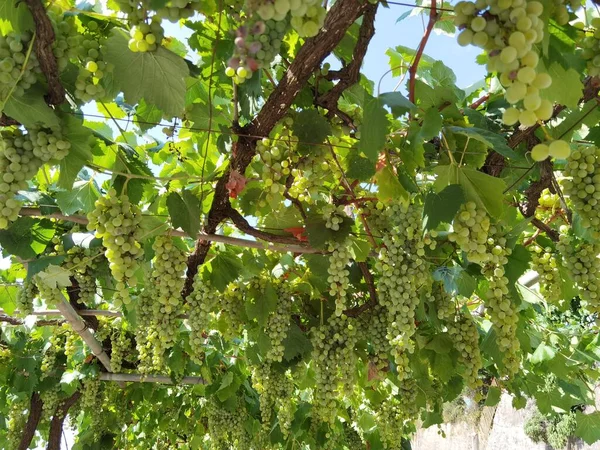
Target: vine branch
{"x": 43, "y": 50}
{"x": 412, "y": 70}
{"x": 58, "y": 419}
{"x": 17, "y": 321}
{"x": 33, "y": 420}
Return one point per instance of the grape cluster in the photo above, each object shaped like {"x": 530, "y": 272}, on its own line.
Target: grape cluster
{"x": 67, "y": 38}
{"x": 175, "y": 10}
{"x": 353, "y": 439}
{"x": 590, "y": 43}
{"x": 580, "y": 258}
{"x": 17, "y": 165}
{"x": 116, "y": 220}
{"x": 338, "y": 278}
{"x": 167, "y": 281}
{"x": 51, "y": 400}
{"x": 146, "y": 37}
{"x": 88, "y": 85}
{"x": 232, "y": 305}
{"x": 276, "y": 390}
{"x": 444, "y": 305}
{"x": 201, "y": 303}
{"x": 503, "y": 313}
{"x": 582, "y": 185}
{"x": 120, "y": 345}
{"x": 334, "y": 216}
{"x": 374, "y": 325}
{"x": 226, "y": 427}
{"x": 548, "y": 204}
{"x": 17, "y": 419}
{"x": 278, "y": 324}
{"x": 561, "y": 10}
{"x": 544, "y": 262}
{"x": 25, "y": 297}
{"x": 275, "y": 169}
{"x": 558, "y": 149}
{"x": 465, "y": 337}
{"x": 470, "y": 231}
{"x": 508, "y": 31}
{"x": 81, "y": 262}
{"x": 18, "y": 72}
{"x": 49, "y": 144}
{"x": 395, "y": 412}
{"x": 308, "y": 16}
{"x": 71, "y": 343}
{"x": 334, "y": 361}
{"x": 91, "y": 402}
{"x": 256, "y": 46}
{"x": 49, "y": 361}
{"x": 403, "y": 274}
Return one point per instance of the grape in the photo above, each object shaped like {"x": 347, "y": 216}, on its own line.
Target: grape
{"x": 559, "y": 149}
{"x": 471, "y": 228}
{"x": 201, "y": 303}
{"x": 67, "y": 38}
{"x": 16, "y": 75}
{"x": 589, "y": 42}
{"x": 275, "y": 169}
{"x": 145, "y": 38}
{"x": 49, "y": 144}
{"x": 17, "y": 420}
{"x": 334, "y": 361}
{"x": 88, "y": 85}
{"x": 51, "y": 401}
{"x": 465, "y": 338}
{"x": 580, "y": 258}
{"x": 395, "y": 412}
{"x": 226, "y": 427}
{"x": 582, "y": 185}
{"x": 540, "y": 152}
{"x": 25, "y": 297}
{"x": 278, "y": 325}
{"x": 527, "y": 118}
{"x": 166, "y": 281}
{"x": 120, "y": 345}
{"x": 545, "y": 263}
{"x": 402, "y": 273}
{"x": 276, "y": 389}
{"x": 49, "y": 361}
{"x": 374, "y": 325}
{"x": 116, "y": 220}
{"x": 338, "y": 279}
{"x": 511, "y": 116}
{"x": 91, "y": 401}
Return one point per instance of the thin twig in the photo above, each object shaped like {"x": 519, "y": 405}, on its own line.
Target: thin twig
{"x": 412, "y": 71}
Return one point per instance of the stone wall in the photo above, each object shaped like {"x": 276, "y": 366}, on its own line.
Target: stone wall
{"x": 499, "y": 428}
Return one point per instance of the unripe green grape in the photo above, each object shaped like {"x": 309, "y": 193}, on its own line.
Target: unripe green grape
{"x": 478, "y": 24}
{"x": 532, "y": 102}
{"x": 508, "y": 54}
{"x": 465, "y": 37}
{"x": 527, "y": 75}
{"x": 540, "y": 152}
{"x": 545, "y": 111}
{"x": 527, "y": 118}
{"x": 480, "y": 39}
{"x": 542, "y": 81}
{"x": 511, "y": 116}
{"x": 559, "y": 149}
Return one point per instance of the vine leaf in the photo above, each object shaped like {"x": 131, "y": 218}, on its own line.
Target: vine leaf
{"x": 359, "y": 167}
{"x": 543, "y": 353}
{"x": 54, "y": 277}
{"x": 225, "y": 268}
{"x": 588, "y": 427}
{"x": 566, "y": 88}
{"x": 374, "y": 128}
{"x": 389, "y": 185}
{"x": 14, "y": 16}
{"x": 483, "y": 189}
{"x": 30, "y": 109}
{"x": 456, "y": 280}
{"x": 157, "y": 77}
{"x": 26, "y": 237}
{"x": 493, "y": 397}
{"x": 398, "y": 103}
{"x": 489, "y": 138}
{"x": 295, "y": 344}
{"x": 184, "y": 212}
{"x": 310, "y": 127}
{"x": 441, "y": 207}
{"x": 82, "y": 198}
{"x": 260, "y": 303}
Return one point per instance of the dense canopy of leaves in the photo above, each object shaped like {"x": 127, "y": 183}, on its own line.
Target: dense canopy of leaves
{"x": 301, "y": 260}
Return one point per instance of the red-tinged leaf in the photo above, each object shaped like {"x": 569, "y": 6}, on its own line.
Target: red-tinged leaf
{"x": 236, "y": 183}
{"x": 298, "y": 232}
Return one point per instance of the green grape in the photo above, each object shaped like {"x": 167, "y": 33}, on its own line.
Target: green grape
{"x": 338, "y": 278}
{"x": 167, "y": 280}
{"x": 275, "y": 169}
{"x": 51, "y": 401}
{"x": 232, "y": 303}
{"x": 145, "y": 38}
{"x": 120, "y": 345}
{"x": 278, "y": 325}
{"x": 395, "y": 413}
{"x": 116, "y": 220}
{"x": 353, "y": 439}
{"x": 465, "y": 338}
{"x": 540, "y": 152}
{"x": 471, "y": 228}
{"x": 71, "y": 343}
{"x": 559, "y": 149}
{"x": 582, "y": 185}
{"x": 88, "y": 85}
{"x": 49, "y": 361}
{"x": 226, "y": 427}
{"x": 276, "y": 389}
{"x": 589, "y": 42}
{"x": 67, "y": 38}
{"x": 580, "y": 258}
{"x": 18, "y": 164}
{"x": 16, "y": 422}
{"x": 511, "y": 116}
{"x": 334, "y": 216}
{"x": 25, "y": 297}
{"x": 545, "y": 263}
{"x": 18, "y": 72}
{"x": 403, "y": 274}
{"x": 202, "y": 302}
{"x": 91, "y": 401}
{"x": 374, "y": 325}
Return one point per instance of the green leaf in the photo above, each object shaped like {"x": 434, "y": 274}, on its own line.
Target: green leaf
{"x": 483, "y": 189}
{"x": 229, "y": 386}
{"x": 588, "y": 427}
{"x": 374, "y": 128}
{"x": 492, "y": 140}
{"x": 69, "y": 381}
{"x": 310, "y": 127}
{"x": 389, "y": 185}
{"x": 157, "y": 77}
{"x": 31, "y": 109}
{"x": 296, "y": 344}
{"x": 543, "y": 353}
{"x": 14, "y": 16}
{"x": 26, "y": 237}
{"x": 493, "y": 397}
{"x": 81, "y": 198}
{"x": 359, "y": 167}
{"x": 8, "y": 299}
{"x": 566, "y": 88}
{"x": 146, "y": 116}
{"x": 397, "y": 102}
{"x": 456, "y": 280}
{"x": 259, "y": 304}
{"x": 360, "y": 249}
{"x": 225, "y": 268}
{"x": 55, "y": 277}
{"x": 184, "y": 212}
{"x": 441, "y": 207}
{"x": 574, "y": 120}
{"x": 432, "y": 125}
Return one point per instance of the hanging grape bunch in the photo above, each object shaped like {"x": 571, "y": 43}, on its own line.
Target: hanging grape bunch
{"x": 307, "y": 19}
{"x": 116, "y": 220}
{"x": 589, "y": 41}
{"x": 18, "y": 64}
{"x": 275, "y": 169}
{"x": 92, "y": 68}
